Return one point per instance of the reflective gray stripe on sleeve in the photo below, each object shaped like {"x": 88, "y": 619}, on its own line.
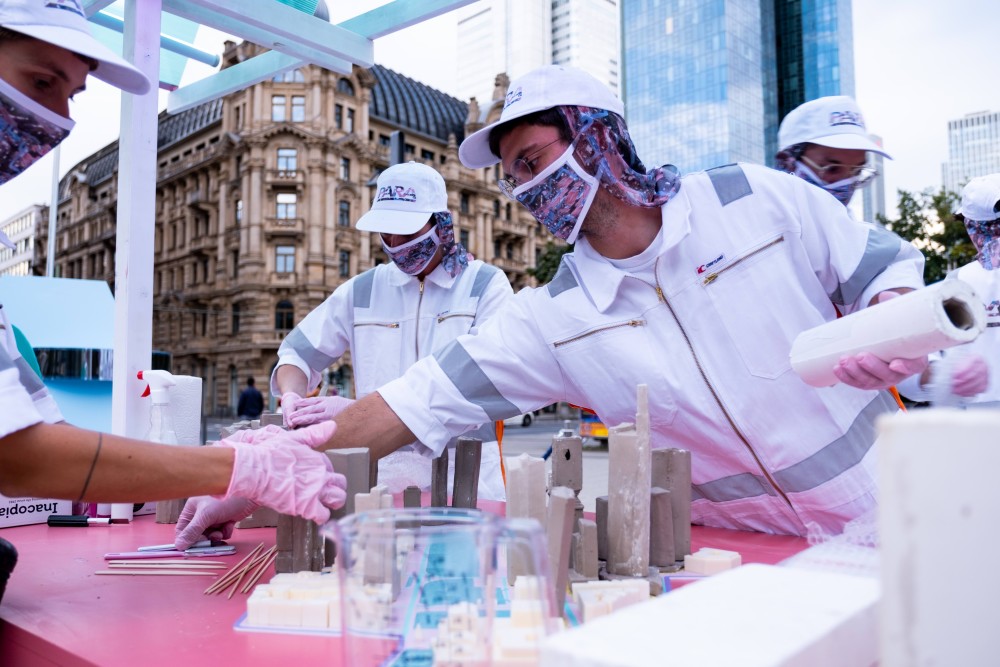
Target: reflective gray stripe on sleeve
{"x": 29, "y": 379}
{"x": 299, "y": 344}
{"x": 562, "y": 281}
{"x": 881, "y": 249}
{"x": 486, "y": 432}
{"x": 730, "y": 183}
{"x": 985, "y": 405}
{"x": 472, "y": 382}
{"x": 483, "y": 278}
{"x": 840, "y": 455}
{"x": 6, "y": 363}
{"x": 363, "y": 289}
{"x": 734, "y": 487}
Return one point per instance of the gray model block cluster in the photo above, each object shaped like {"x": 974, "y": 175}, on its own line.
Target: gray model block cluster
{"x": 439, "y": 480}
{"x": 468, "y": 455}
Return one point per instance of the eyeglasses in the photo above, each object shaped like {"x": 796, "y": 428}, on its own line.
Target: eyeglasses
{"x": 521, "y": 171}
{"x": 838, "y": 172}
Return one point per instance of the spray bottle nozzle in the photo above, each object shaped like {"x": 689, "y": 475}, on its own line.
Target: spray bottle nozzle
{"x": 158, "y": 384}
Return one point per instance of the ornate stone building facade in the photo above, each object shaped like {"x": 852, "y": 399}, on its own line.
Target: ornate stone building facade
{"x": 257, "y": 197}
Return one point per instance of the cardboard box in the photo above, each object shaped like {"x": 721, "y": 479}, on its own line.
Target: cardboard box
{"x": 25, "y": 511}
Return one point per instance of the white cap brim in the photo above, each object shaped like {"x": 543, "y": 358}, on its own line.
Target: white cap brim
{"x": 111, "y": 67}
{"x": 850, "y": 142}
{"x": 475, "y": 151}
{"x": 387, "y": 221}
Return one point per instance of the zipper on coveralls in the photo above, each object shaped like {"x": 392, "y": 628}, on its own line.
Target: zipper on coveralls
{"x": 710, "y": 278}
{"x": 630, "y": 323}
{"x": 701, "y": 370}
{"x": 416, "y": 340}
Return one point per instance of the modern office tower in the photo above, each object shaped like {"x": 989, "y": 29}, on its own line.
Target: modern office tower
{"x": 973, "y": 149}
{"x": 873, "y": 194}
{"x": 20, "y": 229}
{"x": 706, "y": 82}
{"x": 516, "y": 36}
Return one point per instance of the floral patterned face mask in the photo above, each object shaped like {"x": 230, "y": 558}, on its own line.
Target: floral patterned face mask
{"x": 413, "y": 256}
{"x": 843, "y": 189}
{"x": 985, "y": 235}
{"x": 560, "y": 196}
{"x": 27, "y": 131}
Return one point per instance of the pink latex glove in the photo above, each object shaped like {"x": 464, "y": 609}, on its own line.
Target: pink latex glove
{"x": 288, "y": 402}
{"x": 315, "y": 410}
{"x": 212, "y": 519}
{"x": 282, "y": 472}
{"x": 866, "y": 371}
{"x": 970, "y": 377}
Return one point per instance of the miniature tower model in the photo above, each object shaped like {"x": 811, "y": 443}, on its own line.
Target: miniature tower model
{"x": 628, "y": 493}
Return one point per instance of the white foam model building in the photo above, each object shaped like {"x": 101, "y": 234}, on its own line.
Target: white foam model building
{"x": 517, "y": 638}
{"x": 711, "y": 561}
{"x": 296, "y": 600}
{"x": 460, "y": 640}
{"x": 910, "y": 326}
{"x": 752, "y": 616}
{"x": 594, "y": 599}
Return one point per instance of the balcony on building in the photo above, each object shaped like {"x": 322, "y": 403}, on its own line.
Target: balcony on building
{"x": 284, "y": 226}
{"x": 285, "y": 177}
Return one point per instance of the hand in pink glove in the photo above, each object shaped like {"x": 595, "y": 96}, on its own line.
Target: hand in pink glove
{"x": 204, "y": 517}
{"x": 288, "y": 402}
{"x": 279, "y": 473}
{"x": 315, "y": 410}
{"x": 970, "y": 376}
{"x": 866, "y": 371}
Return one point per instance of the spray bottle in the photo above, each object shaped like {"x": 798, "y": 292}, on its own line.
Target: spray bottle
{"x": 161, "y": 429}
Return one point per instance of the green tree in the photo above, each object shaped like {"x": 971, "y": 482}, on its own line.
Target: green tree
{"x": 548, "y": 262}
{"x": 928, "y": 220}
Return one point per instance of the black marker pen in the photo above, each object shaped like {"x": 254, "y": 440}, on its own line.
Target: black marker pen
{"x": 76, "y": 520}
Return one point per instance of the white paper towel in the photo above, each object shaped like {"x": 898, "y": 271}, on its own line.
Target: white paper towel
{"x": 910, "y": 326}
{"x": 184, "y": 411}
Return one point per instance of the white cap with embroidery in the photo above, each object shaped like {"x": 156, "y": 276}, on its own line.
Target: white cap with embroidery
{"x": 981, "y": 199}
{"x": 406, "y": 196}
{"x": 834, "y": 121}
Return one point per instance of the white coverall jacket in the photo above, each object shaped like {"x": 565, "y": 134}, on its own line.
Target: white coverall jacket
{"x": 25, "y": 399}
{"x": 747, "y": 258}
{"x": 986, "y": 284}
{"x": 389, "y": 320}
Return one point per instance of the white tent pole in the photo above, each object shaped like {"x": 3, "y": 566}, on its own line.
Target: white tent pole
{"x": 136, "y": 218}
{"x": 50, "y": 246}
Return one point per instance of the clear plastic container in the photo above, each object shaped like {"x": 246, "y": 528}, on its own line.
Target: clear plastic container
{"x": 434, "y": 586}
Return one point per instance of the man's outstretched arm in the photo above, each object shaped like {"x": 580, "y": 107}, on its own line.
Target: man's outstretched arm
{"x": 371, "y": 423}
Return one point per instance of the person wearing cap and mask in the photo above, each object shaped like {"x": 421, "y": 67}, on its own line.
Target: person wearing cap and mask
{"x": 394, "y": 314}
{"x": 824, "y": 142}
{"x": 972, "y": 368}
{"x": 695, "y": 287}
{"x": 46, "y": 54}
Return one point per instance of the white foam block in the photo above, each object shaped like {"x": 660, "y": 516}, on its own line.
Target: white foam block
{"x": 753, "y": 616}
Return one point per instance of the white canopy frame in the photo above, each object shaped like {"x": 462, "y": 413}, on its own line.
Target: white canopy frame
{"x": 295, "y": 39}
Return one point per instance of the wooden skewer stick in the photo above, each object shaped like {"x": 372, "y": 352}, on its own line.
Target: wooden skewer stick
{"x": 238, "y": 576}
{"x": 159, "y": 572}
{"x": 260, "y": 563}
{"x": 230, "y": 574}
{"x": 167, "y": 561}
{"x": 166, "y": 566}
{"x": 267, "y": 564}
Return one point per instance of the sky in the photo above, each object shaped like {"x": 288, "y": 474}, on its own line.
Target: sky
{"x": 918, "y": 64}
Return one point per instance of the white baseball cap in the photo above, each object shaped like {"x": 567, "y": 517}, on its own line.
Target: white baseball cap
{"x": 405, "y": 197}
{"x": 835, "y": 121}
{"x": 540, "y": 89}
{"x": 63, "y": 23}
{"x": 981, "y": 198}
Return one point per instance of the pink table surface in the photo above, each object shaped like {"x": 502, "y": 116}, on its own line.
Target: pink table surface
{"x": 56, "y": 611}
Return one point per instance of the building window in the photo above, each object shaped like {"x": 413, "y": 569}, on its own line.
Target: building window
{"x": 345, "y": 263}
{"x": 463, "y": 203}
{"x": 284, "y": 316}
{"x": 510, "y": 251}
{"x": 338, "y": 116}
{"x": 286, "y": 205}
{"x": 508, "y": 212}
{"x": 350, "y": 121}
{"x": 287, "y": 162}
{"x": 238, "y": 209}
{"x": 295, "y": 76}
{"x": 236, "y": 318}
{"x": 463, "y": 238}
{"x": 278, "y": 113}
{"x": 496, "y": 208}
{"x": 345, "y": 169}
{"x": 384, "y": 140}
{"x": 298, "y": 108}
{"x": 496, "y": 248}
{"x": 284, "y": 259}
{"x": 344, "y": 214}
{"x": 426, "y": 155}
{"x": 346, "y": 87}
{"x": 235, "y": 258}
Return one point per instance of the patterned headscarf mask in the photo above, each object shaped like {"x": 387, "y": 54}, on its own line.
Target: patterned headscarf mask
{"x": 454, "y": 256}
{"x": 790, "y": 160}
{"x": 985, "y": 235}
{"x": 604, "y": 148}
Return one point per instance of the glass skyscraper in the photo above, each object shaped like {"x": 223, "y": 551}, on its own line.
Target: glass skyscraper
{"x": 706, "y": 82}
{"x": 973, "y": 149}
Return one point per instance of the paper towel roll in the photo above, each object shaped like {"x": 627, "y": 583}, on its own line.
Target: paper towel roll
{"x": 910, "y": 326}
{"x": 185, "y": 409}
